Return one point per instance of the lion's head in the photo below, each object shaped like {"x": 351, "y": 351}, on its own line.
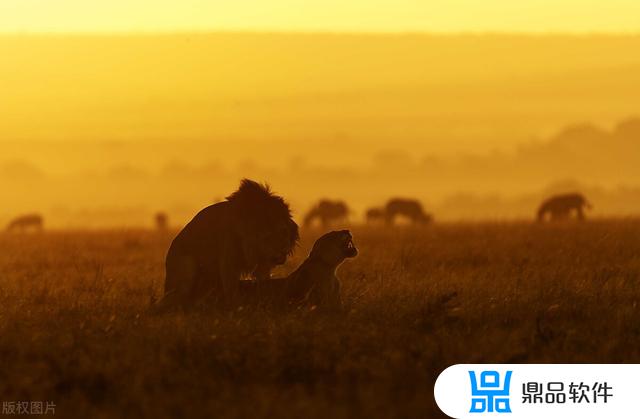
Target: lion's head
{"x": 334, "y": 247}
{"x": 267, "y": 231}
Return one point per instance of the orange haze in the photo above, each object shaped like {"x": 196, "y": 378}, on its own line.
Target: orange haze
{"x": 119, "y": 124}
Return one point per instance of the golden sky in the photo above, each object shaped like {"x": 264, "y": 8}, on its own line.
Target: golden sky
{"x": 320, "y": 15}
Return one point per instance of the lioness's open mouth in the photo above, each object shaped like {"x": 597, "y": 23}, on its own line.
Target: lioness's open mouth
{"x": 350, "y": 249}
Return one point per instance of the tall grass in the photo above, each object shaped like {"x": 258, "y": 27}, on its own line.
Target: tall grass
{"x": 74, "y": 328}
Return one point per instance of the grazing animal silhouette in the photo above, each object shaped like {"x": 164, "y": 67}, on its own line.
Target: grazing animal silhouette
{"x": 408, "y": 208}
{"x": 25, "y": 223}
{"x": 327, "y": 212}
{"x": 560, "y": 207}
{"x": 247, "y": 234}
{"x": 375, "y": 215}
{"x": 162, "y": 221}
{"x": 314, "y": 282}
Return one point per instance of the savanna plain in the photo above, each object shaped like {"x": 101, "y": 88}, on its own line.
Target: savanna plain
{"x": 75, "y": 327}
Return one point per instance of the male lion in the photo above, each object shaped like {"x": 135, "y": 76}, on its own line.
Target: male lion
{"x": 247, "y": 234}
{"x": 314, "y": 282}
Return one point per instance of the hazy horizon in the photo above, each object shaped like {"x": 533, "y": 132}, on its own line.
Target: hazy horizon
{"x": 106, "y": 130}
{"x": 118, "y": 186}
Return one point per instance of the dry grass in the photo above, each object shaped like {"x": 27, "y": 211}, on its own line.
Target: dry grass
{"x": 74, "y": 329}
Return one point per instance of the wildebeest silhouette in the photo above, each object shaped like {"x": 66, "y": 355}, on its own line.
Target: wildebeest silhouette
{"x": 560, "y": 207}
{"x": 408, "y": 208}
{"x": 374, "y": 215}
{"x": 327, "y": 212}
{"x": 27, "y": 222}
{"x": 162, "y": 221}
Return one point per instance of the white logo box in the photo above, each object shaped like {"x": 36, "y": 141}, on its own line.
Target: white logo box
{"x": 621, "y": 382}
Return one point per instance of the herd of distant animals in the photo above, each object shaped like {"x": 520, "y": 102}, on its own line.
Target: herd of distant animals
{"x": 224, "y": 256}
{"x": 329, "y": 212}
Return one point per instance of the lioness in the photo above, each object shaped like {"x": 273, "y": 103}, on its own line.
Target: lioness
{"x": 314, "y": 282}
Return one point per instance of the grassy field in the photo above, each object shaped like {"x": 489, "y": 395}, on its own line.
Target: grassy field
{"x": 74, "y": 328}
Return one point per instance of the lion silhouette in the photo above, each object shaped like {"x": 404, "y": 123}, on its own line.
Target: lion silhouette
{"x": 25, "y": 223}
{"x": 315, "y": 281}
{"x": 408, "y": 208}
{"x": 560, "y": 207}
{"x": 248, "y": 234}
{"x": 327, "y": 212}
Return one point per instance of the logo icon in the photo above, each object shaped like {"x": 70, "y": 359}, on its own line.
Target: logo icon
{"x": 487, "y": 395}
